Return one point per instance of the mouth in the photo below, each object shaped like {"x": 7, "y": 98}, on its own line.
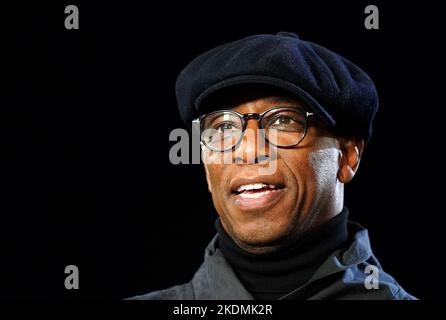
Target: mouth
{"x": 257, "y": 195}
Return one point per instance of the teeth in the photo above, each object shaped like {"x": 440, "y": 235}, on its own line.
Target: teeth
{"x": 254, "y": 186}
{"x": 254, "y": 195}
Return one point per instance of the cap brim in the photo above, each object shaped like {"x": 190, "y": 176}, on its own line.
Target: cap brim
{"x": 275, "y": 82}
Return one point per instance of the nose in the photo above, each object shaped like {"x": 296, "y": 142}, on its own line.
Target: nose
{"x": 253, "y": 149}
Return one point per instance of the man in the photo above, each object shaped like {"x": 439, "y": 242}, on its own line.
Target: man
{"x": 282, "y": 231}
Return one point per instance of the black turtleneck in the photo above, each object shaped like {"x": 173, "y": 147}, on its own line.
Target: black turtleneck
{"x": 272, "y": 275}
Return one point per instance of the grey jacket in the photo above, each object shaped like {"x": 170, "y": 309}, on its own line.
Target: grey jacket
{"x": 342, "y": 276}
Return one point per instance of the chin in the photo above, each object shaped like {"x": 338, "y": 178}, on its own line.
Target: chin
{"x": 261, "y": 233}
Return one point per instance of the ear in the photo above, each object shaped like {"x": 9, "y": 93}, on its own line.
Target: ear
{"x": 351, "y": 152}
{"x": 206, "y": 169}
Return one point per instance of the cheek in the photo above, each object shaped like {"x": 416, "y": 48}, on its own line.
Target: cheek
{"x": 324, "y": 164}
{"x": 213, "y": 172}
{"x": 216, "y": 179}
{"x": 212, "y": 177}
{"x": 313, "y": 172}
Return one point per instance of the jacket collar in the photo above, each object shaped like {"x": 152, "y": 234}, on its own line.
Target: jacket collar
{"x": 216, "y": 279}
{"x": 357, "y": 252}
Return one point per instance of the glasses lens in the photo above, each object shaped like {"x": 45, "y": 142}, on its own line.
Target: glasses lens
{"x": 221, "y": 130}
{"x": 285, "y": 128}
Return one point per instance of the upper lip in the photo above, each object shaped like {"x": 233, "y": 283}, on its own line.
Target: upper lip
{"x": 270, "y": 180}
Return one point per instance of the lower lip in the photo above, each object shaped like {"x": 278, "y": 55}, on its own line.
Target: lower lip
{"x": 259, "y": 200}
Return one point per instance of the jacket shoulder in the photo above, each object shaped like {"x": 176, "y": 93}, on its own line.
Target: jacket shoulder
{"x": 178, "y": 292}
{"x": 387, "y": 288}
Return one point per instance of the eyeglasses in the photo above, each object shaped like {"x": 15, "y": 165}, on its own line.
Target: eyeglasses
{"x": 223, "y": 130}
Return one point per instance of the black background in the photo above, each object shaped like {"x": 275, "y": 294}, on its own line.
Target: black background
{"x": 85, "y": 121}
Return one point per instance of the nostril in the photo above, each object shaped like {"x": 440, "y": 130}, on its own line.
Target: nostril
{"x": 238, "y": 160}
{"x": 261, "y": 158}
{"x": 257, "y": 160}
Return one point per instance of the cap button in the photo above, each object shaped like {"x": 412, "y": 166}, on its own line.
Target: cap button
{"x": 288, "y": 34}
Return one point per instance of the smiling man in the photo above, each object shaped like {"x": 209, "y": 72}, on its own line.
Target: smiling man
{"x": 283, "y": 231}
{"x": 267, "y": 212}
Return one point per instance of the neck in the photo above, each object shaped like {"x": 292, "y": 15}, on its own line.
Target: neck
{"x": 273, "y": 274}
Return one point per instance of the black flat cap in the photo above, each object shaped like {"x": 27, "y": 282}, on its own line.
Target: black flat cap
{"x": 338, "y": 91}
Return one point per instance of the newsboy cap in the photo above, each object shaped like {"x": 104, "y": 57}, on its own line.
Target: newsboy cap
{"x": 338, "y": 91}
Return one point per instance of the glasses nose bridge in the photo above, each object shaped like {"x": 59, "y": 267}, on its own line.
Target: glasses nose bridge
{"x": 249, "y": 116}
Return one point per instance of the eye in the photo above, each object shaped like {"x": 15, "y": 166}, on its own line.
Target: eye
{"x": 282, "y": 120}
{"x": 224, "y": 126}
{"x": 287, "y": 121}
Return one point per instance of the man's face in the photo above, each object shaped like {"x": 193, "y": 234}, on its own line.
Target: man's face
{"x": 302, "y": 192}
